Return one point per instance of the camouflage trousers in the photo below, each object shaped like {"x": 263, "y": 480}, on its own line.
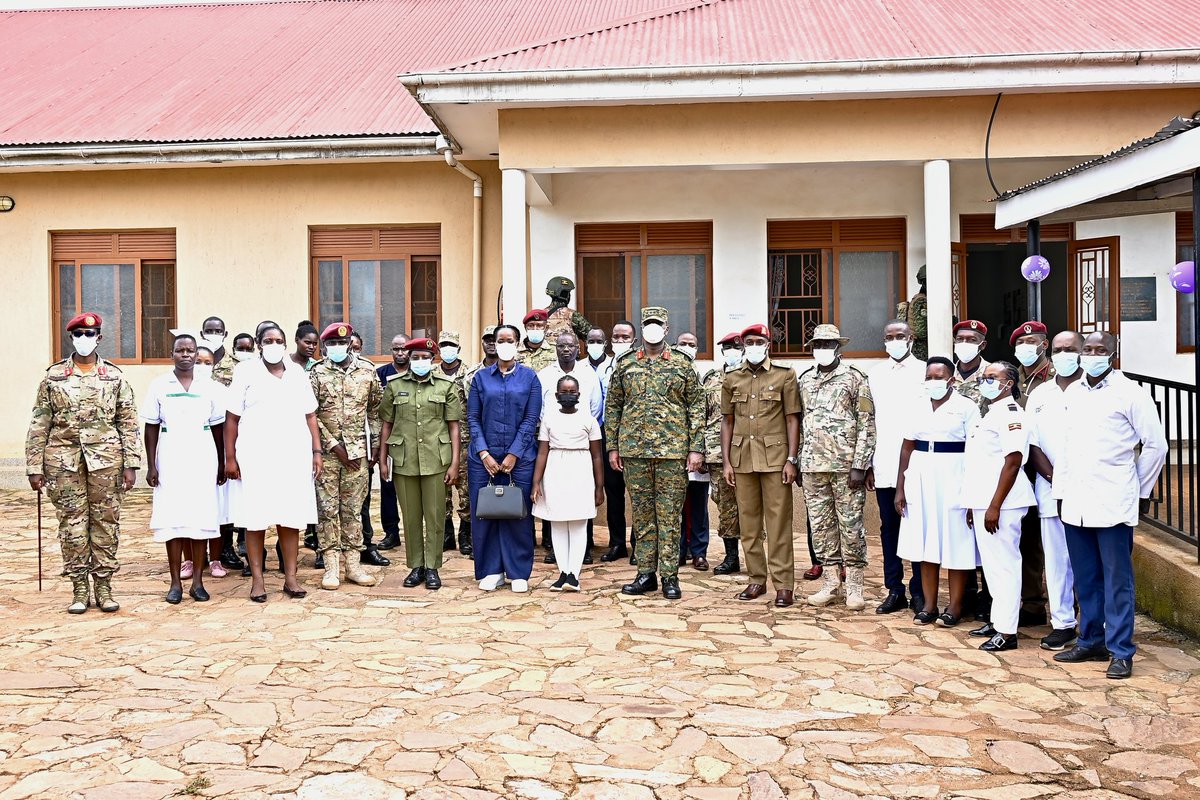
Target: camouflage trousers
{"x": 460, "y": 484}
{"x": 88, "y": 505}
{"x": 340, "y": 495}
{"x": 724, "y": 497}
{"x": 657, "y": 488}
{"x": 835, "y": 512}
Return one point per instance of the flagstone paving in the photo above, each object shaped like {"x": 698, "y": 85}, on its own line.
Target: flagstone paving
{"x": 392, "y": 693}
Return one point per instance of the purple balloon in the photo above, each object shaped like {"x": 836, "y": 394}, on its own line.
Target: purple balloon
{"x": 1035, "y": 269}
{"x": 1183, "y": 277}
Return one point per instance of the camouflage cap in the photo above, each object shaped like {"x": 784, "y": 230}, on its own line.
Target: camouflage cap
{"x": 657, "y": 313}
{"x": 490, "y": 330}
{"x": 449, "y": 337}
{"x": 826, "y": 333}
{"x": 559, "y": 284}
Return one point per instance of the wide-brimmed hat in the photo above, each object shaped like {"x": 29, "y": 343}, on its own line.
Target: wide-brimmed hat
{"x": 825, "y": 333}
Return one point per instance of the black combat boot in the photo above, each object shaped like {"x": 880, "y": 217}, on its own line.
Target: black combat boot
{"x": 644, "y": 582}
{"x": 731, "y": 564}
{"x": 448, "y": 542}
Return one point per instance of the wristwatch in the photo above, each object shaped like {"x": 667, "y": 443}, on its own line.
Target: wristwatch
{"x": 794, "y": 461}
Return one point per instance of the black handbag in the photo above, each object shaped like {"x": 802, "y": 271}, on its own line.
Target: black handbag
{"x": 500, "y": 502}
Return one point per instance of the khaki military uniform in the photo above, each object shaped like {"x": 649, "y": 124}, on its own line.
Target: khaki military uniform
{"x": 464, "y": 436}
{"x": 82, "y": 435}
{"x": 838, "y": 436}
{"x": 968, "y": 387}
{"x": 347, "y": 414}
{"x": 222, "y": 371}
{"x": 543, "y": 356}
{"x": 1032, "y": 379}
{"x": 565, "y": 320}
{"x": 654, "y": 417}
{"x": 722, "y": 493}
{"x": 419, "y": 447}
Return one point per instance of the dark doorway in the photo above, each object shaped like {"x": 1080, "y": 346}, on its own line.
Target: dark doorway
{"x": 998, "y": 296}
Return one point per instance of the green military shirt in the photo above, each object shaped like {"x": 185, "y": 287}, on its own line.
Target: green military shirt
{"x": 968, "y": 387}
{"x": 563, "y": 319}
{"x": 347, "y": 406}
{"x": 711, "y": 384}
{"x": 83, "y": 419}
{"x": 222, "y": 371}
{"x": 460, "y": 382}
{"x": 420, "y": 410}
{"x": 915, "y": 312}
{"x": 838, "y": 422}
{"x": 543, "y": 356}
{"x": 655, "y": 407}
{"x": 760, "y": 398}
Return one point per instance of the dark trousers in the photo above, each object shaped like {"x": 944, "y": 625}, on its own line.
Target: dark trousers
{"x": 614, "y": 499}
{"x": 1033, "y": 564}
{"x": 812, "y": 551}
{"x": 1102, "y": 560}
{"x": 889, "y": 538}
{"x": 502, "y": 546}
{"x": 389, "y": 507}
{"x": 693, "y": 538}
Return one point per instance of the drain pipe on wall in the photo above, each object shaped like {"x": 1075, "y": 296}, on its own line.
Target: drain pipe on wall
{"x": 444, "y": 147}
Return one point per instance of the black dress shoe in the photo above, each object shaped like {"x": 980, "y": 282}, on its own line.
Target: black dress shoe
{"x": 448, "y": 542}
{"x": 432, "y": 580}
{"x": 670, "y": 588}
{"x": 174, "y": 595}
{"x": 1031, "y": 619}
{"x": 986, "y": 630}
{"x": 614, "y": 553}
{"x": 892, "y": 603}
{"x": 1077, "y": 655}
{"x": 1120, "y": 668}
{"x": 464, "y": 538}
{"x": 999, "y": 643}
{"x": 587, "y": 556}
{"x": 391, "y": 540}
{"x": 319, "y": 561}
{"x": 644, "y": 582}
{"x": 230, "y": 560}
{"x": 549, "y": 559}
{"x": 916, "y": 602}
{"x": 374, "y": 558}
{"x": 683, "y": 559}
{"x": 198, "y": 594}
{"x": 948, "y": 620}
{"x": 415, "y": 578}
{"x": 310, "y": 538}
{"x": 246, "y": 571}
{"x": 925, "y": 617}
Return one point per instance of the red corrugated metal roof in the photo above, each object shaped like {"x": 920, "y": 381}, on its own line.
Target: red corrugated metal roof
{"x": 715, "y": 32}
{"x": 256, "y": 70}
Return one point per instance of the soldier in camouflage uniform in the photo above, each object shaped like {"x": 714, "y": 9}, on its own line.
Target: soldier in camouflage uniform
{"x": 654, "y": 427}
{"x": 213, "y": 331}
{"x": 83, "y": 447}
{"x": 722, "y": 493}
{"x": 348, "y": 395}
{"x": 452, "y": 367}
{"x": 969, "y": 338}
{"x": 915, "y": 313}
{"x": 536, "y": 355}
{"x": 560, "y": 317}
{"x": 835, "y": 454}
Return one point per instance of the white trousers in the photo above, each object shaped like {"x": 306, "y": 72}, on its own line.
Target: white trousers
{"x": 1060, "y": 581}
{"x": 1000, "y": 553}
{"x": 570, "y": 544}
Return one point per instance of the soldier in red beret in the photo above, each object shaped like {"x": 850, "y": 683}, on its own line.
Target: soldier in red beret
{"x": 970, "y": 335}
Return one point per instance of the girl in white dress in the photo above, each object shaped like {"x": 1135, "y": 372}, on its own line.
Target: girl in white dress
{"x": 933, "y": 524}
{"x": 568, "y": 479}
{"x": 184, "y": 420}
{"x": 273, "y": 447}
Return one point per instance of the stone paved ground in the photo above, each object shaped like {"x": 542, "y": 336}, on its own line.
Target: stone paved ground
{"x": 394, "y": 693}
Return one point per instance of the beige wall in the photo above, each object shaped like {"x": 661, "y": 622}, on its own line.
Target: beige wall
{"x": 242, "y": 245}
{"x": 910, "y": 129}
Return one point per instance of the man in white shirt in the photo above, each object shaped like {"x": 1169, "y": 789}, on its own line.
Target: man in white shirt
{"x": 1098, "y": 480}
{"x": 895, "y": 385}
{"x": 614, "y": 482}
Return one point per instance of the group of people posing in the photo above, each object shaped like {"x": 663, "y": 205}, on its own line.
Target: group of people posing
{"x": 957, "y": 453}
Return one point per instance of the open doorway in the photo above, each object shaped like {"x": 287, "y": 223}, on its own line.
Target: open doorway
{"x": 998, "y": 296}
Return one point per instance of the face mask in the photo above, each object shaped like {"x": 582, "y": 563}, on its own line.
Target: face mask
{"x": 621, "y": 348}
{"x": 687, "y": 350}
{"x": 1065, "y": 364}
{"x": 273, "y": 353}
{"x": 936, "y": 388}
{"x": 823, "y": 356}
{"x": 568, "y": 399}
{"x": 535, "y": 337}
{"x": 215, "y": 339}
{"x": 243, "y": 355}
{"x": 1027, "y": 354}
{"x": 202, "y": 372}
{"x": 506, "y": 351}
{"x": 1095, "y": 365}
{"x": 449, "y": 354}
{"x": 897, "y": 348}
{"x": 85, "y": 345}
{"x": 990, "y": 388}
{"x": 337, "y": 352}
{"x": 653, "y": 333}
{"x": 757, "y": 354}
{"x": 966, "y": 351}
{"x": 733, "y": 358}
{"x": 421, "y": 366}
{"x": 595, "y": 350}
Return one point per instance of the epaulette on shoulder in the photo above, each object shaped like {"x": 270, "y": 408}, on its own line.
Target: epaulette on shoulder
{"x": 441, "y": 377}
{"x": 680, "y": 352}
{"x": 396, "y": 376}
{"x": 627, "y": 353}
{"x": 1013, "y": 407}
{"x": 805, "y": 372}
{"x": 853, "y": 368}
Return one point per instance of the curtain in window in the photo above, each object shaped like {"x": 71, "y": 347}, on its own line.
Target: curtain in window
{"x": 866, "y": 282}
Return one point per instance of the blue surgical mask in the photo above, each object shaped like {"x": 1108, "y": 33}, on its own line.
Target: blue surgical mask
{"x": 535, "y": 337}
{"x": 936, "y": 388}
{"x": 450, "y": 354}
{"x": 421, "y": 366}
{"x": 337, "y": 352}
{"x": 1095, "y": 365}
{"x": 1065, "y": 364}
{"x": 733, "y": 358}
{"x": 1027, "y": 354}
{"x": 990, "y": 388}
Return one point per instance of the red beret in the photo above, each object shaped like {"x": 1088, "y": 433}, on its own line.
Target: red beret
{"x": 536, "y": 315}
{"x": 757, "y": 329}
{"x": 731, "y": 338}
{"x": 970, "y": 325}
{"x": 1024, "y": 329}
{"x": 421, "y": 344}
{"x": 85, "y": 320}
{"x": 339, "y": 330}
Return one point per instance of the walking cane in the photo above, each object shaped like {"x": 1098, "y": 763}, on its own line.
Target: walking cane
{"x": 39, "y": 540}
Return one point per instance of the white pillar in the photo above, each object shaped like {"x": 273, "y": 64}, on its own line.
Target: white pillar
{"x": 938, "y": 285}
{"x": 514, "y": 245}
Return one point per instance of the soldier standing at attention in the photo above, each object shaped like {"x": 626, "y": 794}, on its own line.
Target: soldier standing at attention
{"x": 83, "y": 447}
{"x": 969, "y": 338}
{"x": 421, "y": 411}
{"x": 534, "y": 353}
{"x": 722, "y": 494}
{"x": 654, "y": 426}
{"x": 915, "y": 313}
{"x": 839, "y": 443}
{"x": 453, "y": 368}
{"x": 348, "y": 397}
{"x": 560, "y": 318}
{"x": 389, "y": 510}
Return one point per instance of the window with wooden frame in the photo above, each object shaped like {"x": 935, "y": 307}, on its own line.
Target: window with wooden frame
{"x": 844, "y": 272}
{"x": 382, "y": 280}
{"x": 128, "y": 278}
{"x": 1185, "y": 250}
{"x": 624, "y": 267}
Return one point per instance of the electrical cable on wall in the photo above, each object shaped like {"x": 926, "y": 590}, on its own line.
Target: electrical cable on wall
{"x": 987, "y": 145}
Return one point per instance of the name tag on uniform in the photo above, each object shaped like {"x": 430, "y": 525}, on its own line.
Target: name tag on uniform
{"x": 402, "y": 394}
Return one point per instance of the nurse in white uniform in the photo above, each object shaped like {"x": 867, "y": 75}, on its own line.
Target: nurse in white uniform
{"x": 998, "y": 494}
{"x": 184, "y": 417}
{"x": 273, "y": 447}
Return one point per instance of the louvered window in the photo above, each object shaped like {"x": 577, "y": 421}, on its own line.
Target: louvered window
{"x": 382, "y": 280}
{"x": 623, "y": 267}
{"x": 1185, "y": 250}
{"x": 845, "y": 272}
{"x": 128, "y": 278}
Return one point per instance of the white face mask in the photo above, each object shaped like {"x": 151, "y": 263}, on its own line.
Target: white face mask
{"x": 687, "y": 350}
{"x": 897, "y": 348}
{"x": 202, "y": 372}
{"x": 274, "y": 353}
{"x": 85, "y": 345}
{"x": 733, "y": 358}
{"x": 823, "y": 356}
{"x": 217, "y": 340}
{"x": 595, "y": 350}
{"x": 1027, "y": 354}
{"x": 506, "y": 351}
{"x": 757, "y": 353}
{"x": 243, "y": 355}
{"x": 1065, "y": 364}
{"x": 936, "y": 388}
{"x": 653, "y": 333}
{"x": 337, "y": 352}
{"x": 450, "y": 354}
{"x": 621, "y": 348}
{"x": 966, "y": 351}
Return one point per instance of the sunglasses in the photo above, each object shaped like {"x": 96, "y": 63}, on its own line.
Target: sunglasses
{"x": 88, "y": 334}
